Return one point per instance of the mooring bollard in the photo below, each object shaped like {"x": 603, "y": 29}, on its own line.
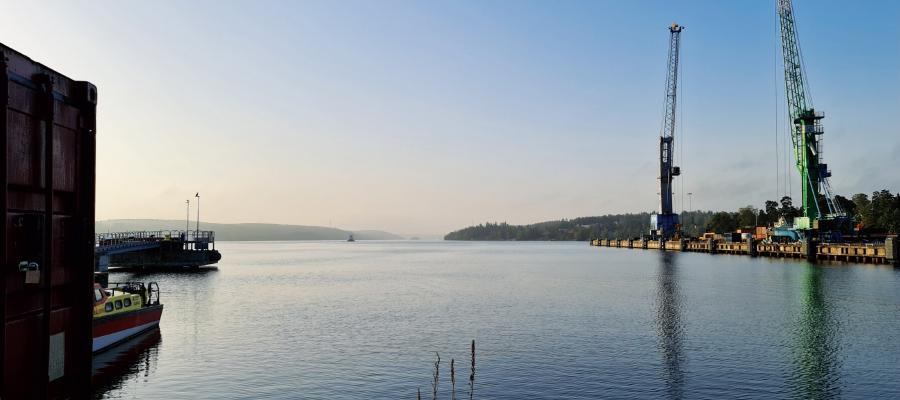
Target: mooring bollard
{"x": 809, "y": 248}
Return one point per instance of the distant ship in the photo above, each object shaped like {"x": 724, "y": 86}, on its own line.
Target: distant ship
{"x": 351, "y": 239}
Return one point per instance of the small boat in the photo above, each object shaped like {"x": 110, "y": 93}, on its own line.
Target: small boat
{"x": 351, "y": 239}
{"x": 124, "y": 311}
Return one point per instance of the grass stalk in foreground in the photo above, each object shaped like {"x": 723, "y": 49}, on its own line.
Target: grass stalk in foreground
{"x": 437, "y": 374}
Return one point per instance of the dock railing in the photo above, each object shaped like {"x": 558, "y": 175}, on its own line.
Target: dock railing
{"x": 191, "y": 240}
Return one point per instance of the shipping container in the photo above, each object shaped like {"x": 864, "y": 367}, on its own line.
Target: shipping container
{"x": 49, "y": 140}
{"x": 761, "y": 233}
{"x": 732, "y": 237}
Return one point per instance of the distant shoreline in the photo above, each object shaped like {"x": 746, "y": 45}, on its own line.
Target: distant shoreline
{"x": 245, "y": 231}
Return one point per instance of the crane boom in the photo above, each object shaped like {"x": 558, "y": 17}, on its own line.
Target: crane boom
{"x": 666, "y": 221}
{"x": 806, "y": 126}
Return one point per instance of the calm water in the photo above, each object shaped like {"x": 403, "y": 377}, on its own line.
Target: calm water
{"x": 337, "y": 320}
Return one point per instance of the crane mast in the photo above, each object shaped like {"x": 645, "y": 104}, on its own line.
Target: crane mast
{"x": 806, "y": 128}
{"x": 666, "y": 222}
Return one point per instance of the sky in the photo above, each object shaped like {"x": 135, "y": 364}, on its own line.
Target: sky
{"x": 421, "y": 117}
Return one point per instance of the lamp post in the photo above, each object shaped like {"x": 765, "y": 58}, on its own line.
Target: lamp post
{"x": 691, "y": 207}
{"x": 187, "y": 220}
{"x": 197, "y": 233}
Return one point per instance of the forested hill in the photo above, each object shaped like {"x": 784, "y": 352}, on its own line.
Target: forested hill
{"x": 875, "y": 214}
{"x": 584, "y": 228}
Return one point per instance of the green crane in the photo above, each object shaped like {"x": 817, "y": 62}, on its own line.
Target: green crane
{"x": 806, "y": 128}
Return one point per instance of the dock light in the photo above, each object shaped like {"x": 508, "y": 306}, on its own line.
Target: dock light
{"x": 187, "y": 220}
{"x": 198, "y": 213}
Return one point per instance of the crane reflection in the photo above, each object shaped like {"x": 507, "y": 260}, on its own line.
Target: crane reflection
{"x": 668, "y": 324}
{"x": 816, "y": 347}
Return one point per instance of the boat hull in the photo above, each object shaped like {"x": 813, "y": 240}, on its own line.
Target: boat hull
{"x": 113, "y": 329}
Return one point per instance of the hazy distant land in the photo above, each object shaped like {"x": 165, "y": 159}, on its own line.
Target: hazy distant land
{"x": 245, "y": 232}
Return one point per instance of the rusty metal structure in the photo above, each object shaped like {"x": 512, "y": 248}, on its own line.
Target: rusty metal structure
{"x": 48, "y": 172}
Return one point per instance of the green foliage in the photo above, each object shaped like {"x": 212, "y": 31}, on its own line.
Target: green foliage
{"x": 881, "y": 214}
{"x": 747, "y": 217}
{"x": 846, "y": 204}
{"x": 788, "y": 211}
{"x": 770, "y": 214}
{"x": 722, "y": 222}
{"x": 584, "y": 228}
{"x": 863, "y": 209}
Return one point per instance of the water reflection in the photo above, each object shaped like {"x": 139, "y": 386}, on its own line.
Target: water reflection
{"x": 155, "y": 273}
{"x": 136, "y": 357}
{"x": 817, "y": 366}
{"x": 668, "y": 324}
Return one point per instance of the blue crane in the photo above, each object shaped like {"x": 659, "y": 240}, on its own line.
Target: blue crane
{"x": 666, "y": 221}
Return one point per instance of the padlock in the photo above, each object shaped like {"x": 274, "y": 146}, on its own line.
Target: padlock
{"x": 32, "y": 271}
{"x": 33, "y": 277}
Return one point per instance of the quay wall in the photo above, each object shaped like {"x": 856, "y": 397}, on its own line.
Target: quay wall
{"x": 867, "y": 253}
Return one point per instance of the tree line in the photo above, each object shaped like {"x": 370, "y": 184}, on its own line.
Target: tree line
{"x": 875, "y": 214}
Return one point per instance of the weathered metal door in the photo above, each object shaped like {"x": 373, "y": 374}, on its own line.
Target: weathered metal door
{"x": 48, "y": 169}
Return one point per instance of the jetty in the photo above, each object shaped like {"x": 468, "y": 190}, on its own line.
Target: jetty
{"x": 155, "y": 249}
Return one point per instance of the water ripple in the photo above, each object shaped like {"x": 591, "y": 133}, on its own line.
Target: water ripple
{"x": 331, "y": 320}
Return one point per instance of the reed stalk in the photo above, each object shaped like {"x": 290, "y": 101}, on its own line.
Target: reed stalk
{"x": 437, "y": 372}
{"x": 472, "y": 373}
{"x": 452, "y": 380}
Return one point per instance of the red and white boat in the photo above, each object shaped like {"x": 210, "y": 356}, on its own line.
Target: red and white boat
{"x": 124, "y": 311}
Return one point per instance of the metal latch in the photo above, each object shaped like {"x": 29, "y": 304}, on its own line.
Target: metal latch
{"x": 32, "y": 271}
{"x": 25, "y": 266}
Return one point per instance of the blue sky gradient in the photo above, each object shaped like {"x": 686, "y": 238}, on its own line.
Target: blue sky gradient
{"x": 423, "y": 117}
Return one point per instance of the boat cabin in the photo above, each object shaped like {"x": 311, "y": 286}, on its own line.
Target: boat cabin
{"x": 122, "y": 298}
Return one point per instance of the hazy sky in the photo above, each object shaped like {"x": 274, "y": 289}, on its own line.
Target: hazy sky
{"x": 423, "y": 117}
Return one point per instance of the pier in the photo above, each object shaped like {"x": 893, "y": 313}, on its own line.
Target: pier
{"x": 155, "y": 249}
{"x": 887, "y": 252}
